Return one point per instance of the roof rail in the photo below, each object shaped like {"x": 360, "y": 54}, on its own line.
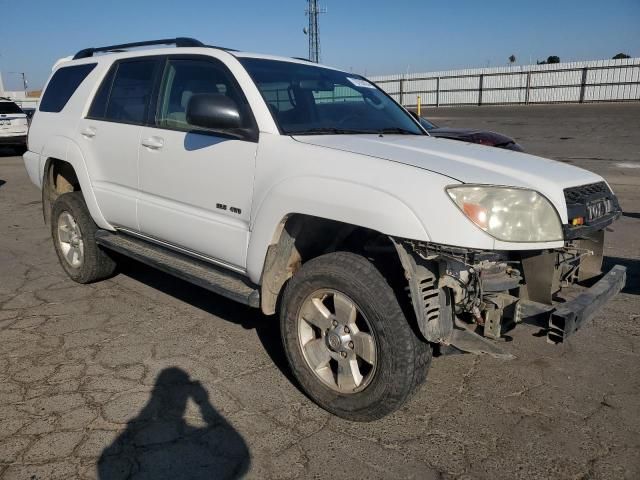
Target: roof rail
{"x": 178, "y": 42}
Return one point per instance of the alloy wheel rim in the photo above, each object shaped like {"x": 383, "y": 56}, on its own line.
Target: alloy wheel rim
{"x": 337, "y": 341}
{"x": 70, "y": 240}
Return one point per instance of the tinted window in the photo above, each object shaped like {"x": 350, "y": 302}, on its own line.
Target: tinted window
{"x": 131, "y": 91}
{"x": 184, "y": 78}
{"x": 278, "y": 96}
{"x": 62, "y": 85}
{"x": 9, "y": 107}
{"x": 99, "y": 105}
{"x": 308, "y": 99}
{"x": 426, "y": 124}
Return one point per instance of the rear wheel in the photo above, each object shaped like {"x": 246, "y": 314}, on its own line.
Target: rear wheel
{"x": 73, "y": 232}
{"x": 347, "y": 339}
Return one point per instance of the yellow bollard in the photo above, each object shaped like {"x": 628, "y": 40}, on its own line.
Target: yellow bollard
{"x": 419, "y": 106}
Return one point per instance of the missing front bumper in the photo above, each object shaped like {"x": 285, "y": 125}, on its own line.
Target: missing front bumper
{"x": 466, "y": 299}
{"x": 562, "y": 320}
{"x": 569, "y": 316}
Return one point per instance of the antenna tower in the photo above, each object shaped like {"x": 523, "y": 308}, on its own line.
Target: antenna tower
{"x": 313, "y": 11}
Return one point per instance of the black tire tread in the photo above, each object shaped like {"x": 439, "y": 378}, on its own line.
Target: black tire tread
{"x": 412, "y": 355}
{"x": 97, "y": 264}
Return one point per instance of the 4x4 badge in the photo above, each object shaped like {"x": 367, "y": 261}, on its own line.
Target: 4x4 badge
{"x": 222, "y": 206}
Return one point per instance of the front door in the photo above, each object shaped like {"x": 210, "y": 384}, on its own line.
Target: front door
{"x": 196, "y": 186}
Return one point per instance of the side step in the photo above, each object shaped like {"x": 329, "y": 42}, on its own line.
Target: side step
{"x": 210, "y": 277}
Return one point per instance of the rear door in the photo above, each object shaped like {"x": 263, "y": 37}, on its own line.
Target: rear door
{"x": 196, "y": 186}
{"x": 110, "y": 136}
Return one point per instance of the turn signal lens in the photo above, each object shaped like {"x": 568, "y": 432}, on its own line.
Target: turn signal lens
{"x": 476, "y": 213}
{"x": 577, "y": 221}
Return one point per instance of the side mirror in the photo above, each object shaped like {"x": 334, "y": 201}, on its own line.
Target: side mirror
{"x": 213, "y": 111}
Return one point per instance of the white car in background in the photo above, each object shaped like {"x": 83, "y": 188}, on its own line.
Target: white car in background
{"x": 13, "y": 125}
{"x": 307, "y": 191}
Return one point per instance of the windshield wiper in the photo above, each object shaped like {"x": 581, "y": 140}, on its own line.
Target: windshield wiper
{"x": 401, "y": 131}
{"x": 332, "y": 131}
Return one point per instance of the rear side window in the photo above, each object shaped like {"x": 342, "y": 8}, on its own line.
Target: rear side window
{"x": 125, "y": 93}
{"x": 9, "y": 107}
{"x": 62, "y": 85}
{"x": 99, "y": 105}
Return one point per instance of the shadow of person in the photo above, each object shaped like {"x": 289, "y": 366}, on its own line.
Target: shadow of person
{"x": 159, "y": 444}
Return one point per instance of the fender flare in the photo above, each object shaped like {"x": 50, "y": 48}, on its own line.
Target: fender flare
{"x": 335, "y": 199}
{"x": 65, "y": 149}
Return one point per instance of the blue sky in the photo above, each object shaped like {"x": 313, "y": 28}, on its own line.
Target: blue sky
{"x": 369, "y": 37}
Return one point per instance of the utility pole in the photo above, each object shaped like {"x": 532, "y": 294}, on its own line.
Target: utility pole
{"x": 24, "y": 81}
{"x": 1, "y": 84}
{"x": 313, "y": 11}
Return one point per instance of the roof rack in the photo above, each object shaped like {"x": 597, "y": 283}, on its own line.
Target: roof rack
{"x": 178, "y": 42}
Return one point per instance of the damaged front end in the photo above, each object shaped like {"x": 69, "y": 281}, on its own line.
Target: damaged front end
{"x": 469, "y": 298}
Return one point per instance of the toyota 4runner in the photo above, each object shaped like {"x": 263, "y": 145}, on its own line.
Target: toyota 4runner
{"x": 307, "y": 191}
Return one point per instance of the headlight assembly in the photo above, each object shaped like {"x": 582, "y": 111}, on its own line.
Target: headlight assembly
{"x": 509, "y": 214}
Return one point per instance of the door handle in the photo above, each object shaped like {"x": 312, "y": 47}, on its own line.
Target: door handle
{"x": 88, "y": 132}
{"x": 153, "y": 143}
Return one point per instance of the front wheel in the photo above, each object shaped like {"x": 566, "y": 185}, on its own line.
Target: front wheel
{"x": 347, "y": 339}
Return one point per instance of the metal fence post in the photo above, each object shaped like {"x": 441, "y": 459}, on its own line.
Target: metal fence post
{"x": 583, "y": 84}
{"x": 480, "y": 89}
{"x": 401, "y": 91}
{"x": 437, "y": 91}
{"x": 526, "y": 92}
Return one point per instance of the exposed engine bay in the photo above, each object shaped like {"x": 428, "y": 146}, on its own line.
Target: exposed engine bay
{"x": 463, "y": 297}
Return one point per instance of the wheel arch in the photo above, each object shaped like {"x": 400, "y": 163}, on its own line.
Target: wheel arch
{"x": 64, "y": 170}
{"x": 301, "y": 237}
{"x": 329, "y": 199}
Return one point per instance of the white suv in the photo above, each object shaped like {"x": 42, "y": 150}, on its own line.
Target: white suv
{"x": 13, "y": 125}
{"x": 302, "y": 189}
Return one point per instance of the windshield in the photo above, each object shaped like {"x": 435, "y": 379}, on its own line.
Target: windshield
{"x": 311, "y": 100}
{"x": 9, "y": 107}
{"x": 426, "y": 124}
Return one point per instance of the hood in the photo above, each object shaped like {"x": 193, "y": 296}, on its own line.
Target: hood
{"x": 465, "y": 162}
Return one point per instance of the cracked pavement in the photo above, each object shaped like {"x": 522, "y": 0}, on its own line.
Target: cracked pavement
{"x": 145, "y": 376}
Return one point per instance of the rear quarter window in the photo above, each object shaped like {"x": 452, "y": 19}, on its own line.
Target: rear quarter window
{"x": 62, "y": 86}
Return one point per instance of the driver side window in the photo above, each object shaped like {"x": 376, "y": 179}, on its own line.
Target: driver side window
{"x": 184, "y": 78}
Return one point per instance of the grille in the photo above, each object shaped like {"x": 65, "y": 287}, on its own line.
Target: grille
{"x": 580, "y": 195}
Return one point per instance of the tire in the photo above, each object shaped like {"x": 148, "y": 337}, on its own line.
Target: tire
{"x": 401, "y": 359}
{"x": 94, "y": 263}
